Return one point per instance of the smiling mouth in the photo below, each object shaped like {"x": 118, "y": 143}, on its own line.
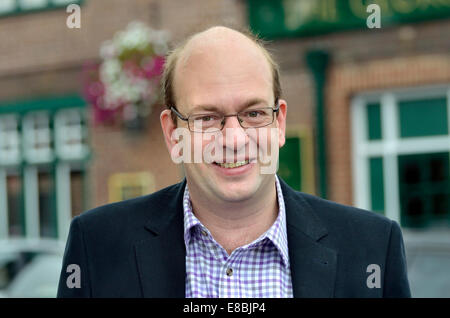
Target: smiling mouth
{"x": 232, "y": 165}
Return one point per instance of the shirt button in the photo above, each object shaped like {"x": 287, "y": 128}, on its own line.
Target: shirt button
{"x": 229, "y": 271}
{"x": 204, "y": 233}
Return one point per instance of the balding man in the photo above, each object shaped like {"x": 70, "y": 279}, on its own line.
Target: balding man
{"x": 231, "y": 228}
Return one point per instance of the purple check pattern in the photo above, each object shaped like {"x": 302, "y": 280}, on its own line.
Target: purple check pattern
{"x": 259, "y": 269}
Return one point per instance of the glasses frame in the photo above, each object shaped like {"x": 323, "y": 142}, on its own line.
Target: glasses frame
{"x": 274, "y": 111}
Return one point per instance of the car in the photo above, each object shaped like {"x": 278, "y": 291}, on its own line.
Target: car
{"x": 30, "y": 268}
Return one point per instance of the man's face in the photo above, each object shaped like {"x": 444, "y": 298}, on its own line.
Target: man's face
{"x": 228, "y": 78}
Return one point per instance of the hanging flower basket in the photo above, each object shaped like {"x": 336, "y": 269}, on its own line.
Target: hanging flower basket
{"x": 125, "y": 85}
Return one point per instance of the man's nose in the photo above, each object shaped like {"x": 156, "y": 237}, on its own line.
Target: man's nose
{"x": 235, "y": 136}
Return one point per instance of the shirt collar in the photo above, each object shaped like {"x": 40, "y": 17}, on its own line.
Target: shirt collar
{"x": 277, "y": 233}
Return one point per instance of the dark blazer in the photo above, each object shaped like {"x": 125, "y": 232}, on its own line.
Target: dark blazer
{"x": 135, "y": 248}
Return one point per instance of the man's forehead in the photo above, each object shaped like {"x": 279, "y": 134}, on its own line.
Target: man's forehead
{"x": 217, "y": 41}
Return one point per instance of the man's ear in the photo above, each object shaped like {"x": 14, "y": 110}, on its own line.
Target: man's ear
{"x": 168, "y": 126}
{"x": 281, "y": 122}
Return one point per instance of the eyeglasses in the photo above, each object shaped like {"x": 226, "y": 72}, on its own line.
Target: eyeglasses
{"x": 212, "y": 122}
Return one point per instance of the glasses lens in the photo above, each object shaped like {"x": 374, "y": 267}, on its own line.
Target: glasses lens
{"x": 203, "y": 122}
{"x": 256, "y": 117}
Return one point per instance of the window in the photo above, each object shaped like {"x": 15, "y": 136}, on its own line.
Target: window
{"x": 15, "y": 216}
{"x": 401, "y": 147}
{"x": 43, "y": 154}
{"x": 46, "y": 210}
{"x": 9, "y": 140}
{"x": 424, "y": 182}
{"x": 37, "y": 137}
{"x": 71, "y": 134}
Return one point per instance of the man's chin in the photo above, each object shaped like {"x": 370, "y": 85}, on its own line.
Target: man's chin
{"x": 237, "y": 191}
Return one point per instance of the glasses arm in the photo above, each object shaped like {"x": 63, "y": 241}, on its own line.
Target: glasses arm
{"x": 277, "y": 108}
{"x": 178, "y": 114}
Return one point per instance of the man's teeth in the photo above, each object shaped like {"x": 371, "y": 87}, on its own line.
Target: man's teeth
{"x": 233, "y": 164}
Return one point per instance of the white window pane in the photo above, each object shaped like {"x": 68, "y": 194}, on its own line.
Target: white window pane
{"x": 9, "y": 140}
{"x": 37, "y": 137}
{"x": 70, "y": 134}
{"x": 7, "y": 6}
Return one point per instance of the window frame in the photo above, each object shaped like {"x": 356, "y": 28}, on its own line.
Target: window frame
{"x": 391, "y": 145}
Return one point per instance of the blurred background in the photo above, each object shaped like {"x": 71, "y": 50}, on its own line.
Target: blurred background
{"x": 368, "y": 116}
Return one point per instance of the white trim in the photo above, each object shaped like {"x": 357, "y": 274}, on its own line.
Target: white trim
{"x": 391, "y": 185}
{"x": 4, "y": 224}
{"x": 63, "y": 199}
{"x": 31, "y": 202}
{"x": 361, "y": 186}
{"x": 406, "y": 146}
{"x": 389, "y": 120}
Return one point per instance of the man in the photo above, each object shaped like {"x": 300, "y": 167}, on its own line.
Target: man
{"x": 229, "y": 230}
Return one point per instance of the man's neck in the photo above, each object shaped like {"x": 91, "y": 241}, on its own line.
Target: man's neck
{"x": 234, "y": 224}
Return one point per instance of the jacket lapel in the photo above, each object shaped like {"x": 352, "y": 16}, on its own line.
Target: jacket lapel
{"x": 161, "y": 257}
{"x": 313, "y": 266}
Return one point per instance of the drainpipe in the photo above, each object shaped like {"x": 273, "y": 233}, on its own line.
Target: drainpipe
{"x": 317, "y": 61}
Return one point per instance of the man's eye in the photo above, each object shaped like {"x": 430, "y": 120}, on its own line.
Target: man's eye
{"x": 253, "y": 114}
{"x": 206, "y": 118}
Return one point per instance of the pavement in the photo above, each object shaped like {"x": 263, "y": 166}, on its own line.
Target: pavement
{"x": 428, "y": 261}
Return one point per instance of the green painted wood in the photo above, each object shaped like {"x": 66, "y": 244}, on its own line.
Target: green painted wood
{"x": 376, "y": 184}
{"x": 290, "y": 163}
{"x": 425, "y": 117}
{"x": 374, "y": 130}
{"x": 47, "y": 5}
{"x": 317, "y": 61}
{"x": 50, "y": 103}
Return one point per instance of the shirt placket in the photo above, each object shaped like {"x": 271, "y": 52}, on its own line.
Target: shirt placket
{"x": 229, "y": 275}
